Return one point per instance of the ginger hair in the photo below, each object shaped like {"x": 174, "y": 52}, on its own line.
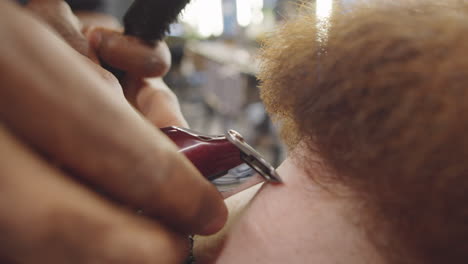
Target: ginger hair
{"x": 384, "y": 101}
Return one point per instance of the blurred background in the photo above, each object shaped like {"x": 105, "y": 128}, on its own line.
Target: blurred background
{"x": 214, "y": 47}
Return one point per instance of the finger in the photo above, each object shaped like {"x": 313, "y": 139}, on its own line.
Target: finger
{"x": 59, "y": 16}
{"x": 46, "y": 218}
{"x": 130, "y": 54}
{"x": 95, "y": 19}
{"x": 155, "y": 101}
{"x": 72, "y": 115}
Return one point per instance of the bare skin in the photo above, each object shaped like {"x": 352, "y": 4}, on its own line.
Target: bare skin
{"x": 56, "y": 104}
{"x": 298, "y": 222}
{"x": 99, "y": 38}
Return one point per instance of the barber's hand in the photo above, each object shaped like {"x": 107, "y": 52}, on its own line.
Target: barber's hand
{"x": 54, "y": 104}
{"x": 99, "y": 37}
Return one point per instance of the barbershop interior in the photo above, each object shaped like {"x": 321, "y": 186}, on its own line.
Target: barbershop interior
{"x": 214, "y": 46}
{"x": 233, "y": 131}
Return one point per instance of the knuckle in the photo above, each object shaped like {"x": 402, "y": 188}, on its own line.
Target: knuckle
{"x": 110, "y": 78}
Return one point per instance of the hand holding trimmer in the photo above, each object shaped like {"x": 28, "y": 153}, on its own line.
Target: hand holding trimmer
{"x": 213, "y": 156}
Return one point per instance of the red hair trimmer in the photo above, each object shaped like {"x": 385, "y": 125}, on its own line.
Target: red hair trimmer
{"x": 214, "y": 156}
{"x": 149, "y": 20}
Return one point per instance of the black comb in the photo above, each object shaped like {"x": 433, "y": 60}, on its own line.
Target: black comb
{"x": 149, "y": 20}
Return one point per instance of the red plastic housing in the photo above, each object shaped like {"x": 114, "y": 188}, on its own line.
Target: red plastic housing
{"x": 213, "y": 156}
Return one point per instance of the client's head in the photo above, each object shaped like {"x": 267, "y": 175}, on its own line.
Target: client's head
{"x": 382, "y": 97}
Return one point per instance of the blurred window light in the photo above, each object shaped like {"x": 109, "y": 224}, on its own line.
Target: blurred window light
{"x": 249, "y": 11}
{"x": 324, "y": 9}
{"x": 323, "y": 12}
{"x": 205, "y": 16}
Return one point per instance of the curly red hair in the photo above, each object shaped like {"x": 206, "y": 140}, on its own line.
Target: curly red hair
{"x": 384, "y": 101}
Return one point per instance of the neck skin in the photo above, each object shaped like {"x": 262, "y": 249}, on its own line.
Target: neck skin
{"x": 295, "y": 222}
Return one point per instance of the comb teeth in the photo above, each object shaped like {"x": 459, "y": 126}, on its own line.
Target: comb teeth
{"x": 150, "y": 19}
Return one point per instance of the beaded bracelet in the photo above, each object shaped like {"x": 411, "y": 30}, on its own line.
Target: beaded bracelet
{"x": 191, "y": 257}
